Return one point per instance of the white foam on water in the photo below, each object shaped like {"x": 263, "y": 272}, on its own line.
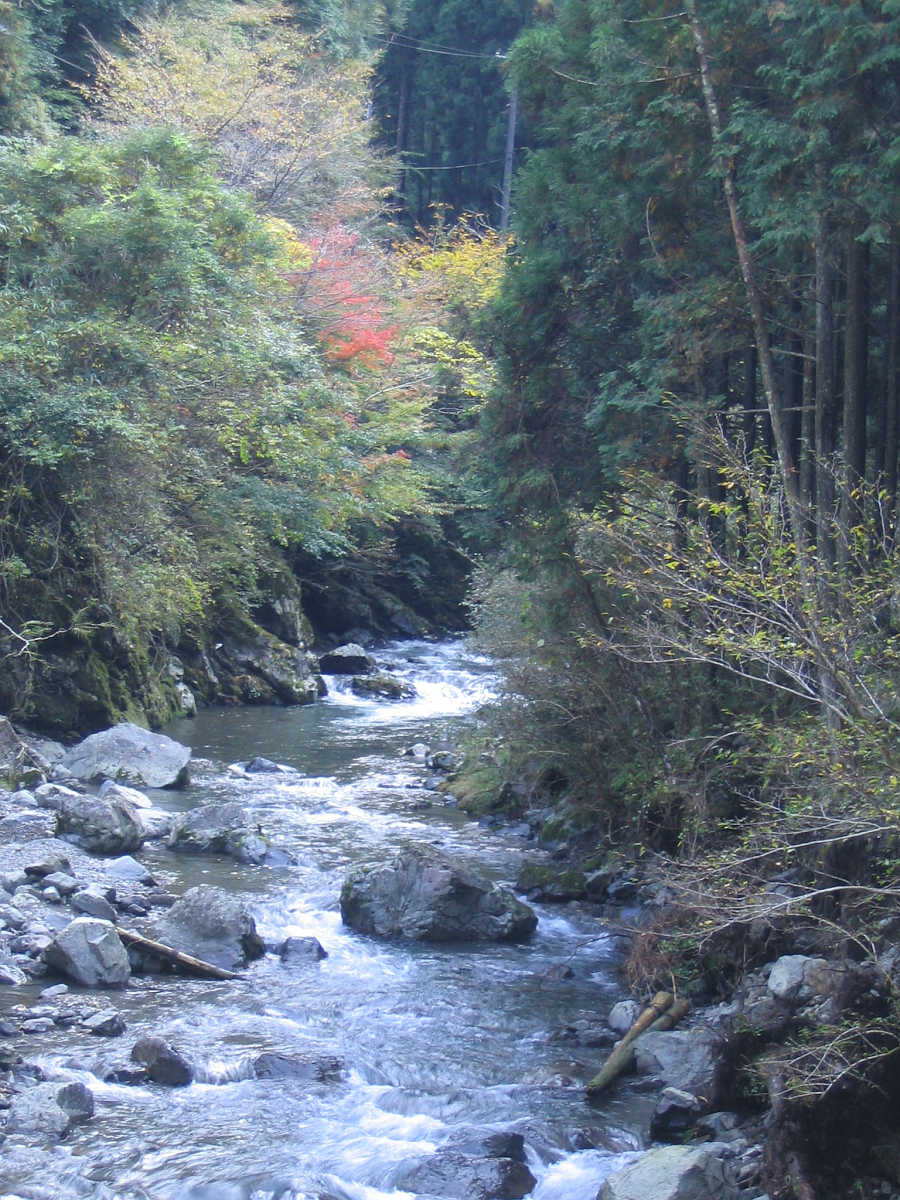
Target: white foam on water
{"x": 580, "y": 1176}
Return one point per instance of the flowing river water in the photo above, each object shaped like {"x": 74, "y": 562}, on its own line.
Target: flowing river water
{"x": 433, "y": 1040}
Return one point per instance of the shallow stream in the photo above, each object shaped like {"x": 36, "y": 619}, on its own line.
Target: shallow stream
{"x": 432, "y": 1039}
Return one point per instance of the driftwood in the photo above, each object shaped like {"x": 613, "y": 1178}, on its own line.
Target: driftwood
{"x": 663, "y": 1012}
{"x": 176, "y": 958}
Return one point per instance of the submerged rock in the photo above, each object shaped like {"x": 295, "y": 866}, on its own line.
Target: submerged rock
{"x": 210, "y": 924}
{"x": 127, "y": 753}
{"x": 90, "y": 952}
{"x": 308, "y": 1068}
{"x": 425, "y": 896}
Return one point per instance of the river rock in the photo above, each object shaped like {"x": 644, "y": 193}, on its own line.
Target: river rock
{"x": 674, "y": 1173}
{"x": 126, "y": 753}
{"x": 350, "y": 659}
{"x": 682, "y": 1058}
{"x": 301, "y": 949}
{"x": 676, "y": 1112}
{"x": 623, "y": 1015}
{"x": 49, "y": 1110}
{"x": 451, "y": 1173}
{"x": 799, "y": 977}
{"x": 210, "y": 924}
{"x": 94, "y": 901}
{"x": 105, "y": 1023}
{"x": 11, "y": 975}
{"x": 219, "y": 829}
{"x": 90, "y": 952}
{"x": 382, "y": 687}
{"x": 423, "y": 895}
{"x": 100, "y": 825}
{"x": 163, "y": 1063}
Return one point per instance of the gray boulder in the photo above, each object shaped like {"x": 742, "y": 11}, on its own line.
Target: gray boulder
{"x": 687, "y": 1059}
{"x": 90, "y": 952}
{"x": 50, "y": 1110}
{"x": 129, "y": 754}
{"x": 350, "y": 659}
{"x": 211, "y": 924}
{"x": 301, "y": 949}
{"x": 162, "y": 1062}
{"x": 450, "y": 1172}
{"x": 99, "y": 824}
{"x": 799, "y": 977}
{"x": 94, "y": 901}
{"x": 674, "y": 1173}
{"x": 219, "y": 829}
{"x": 425, "y": 896}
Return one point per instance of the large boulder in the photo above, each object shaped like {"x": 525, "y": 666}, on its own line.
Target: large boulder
{"x": 90, "y": 952}
{"x": 129, "y": 754}
{"x": 350, "y": 659}
{"x": 49, "y": 1110}
{"x": 107, "y": 824}
{"x": 675, "y": 1173}
{"x": 423, "y": 895}
{"x": 210, "y": 924}
{"x": 219, "y": 829}
{"x": 687, "y": 1059}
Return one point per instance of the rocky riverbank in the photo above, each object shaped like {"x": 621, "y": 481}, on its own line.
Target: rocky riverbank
{"x": 748, "y": 1101}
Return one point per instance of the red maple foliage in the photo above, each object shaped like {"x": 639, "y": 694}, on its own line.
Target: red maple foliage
{"x": 340, "y": 291}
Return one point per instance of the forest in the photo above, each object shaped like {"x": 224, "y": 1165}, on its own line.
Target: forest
{"x": 575, "y": 324}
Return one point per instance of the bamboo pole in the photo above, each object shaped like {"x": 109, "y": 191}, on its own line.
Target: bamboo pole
{"x": 663, "y": 1012}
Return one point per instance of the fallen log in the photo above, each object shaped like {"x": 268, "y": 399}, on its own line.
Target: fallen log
{"x": 663, "y": 1012}
{"x": 176, "y": 958}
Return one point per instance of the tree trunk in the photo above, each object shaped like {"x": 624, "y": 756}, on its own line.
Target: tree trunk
{"x": 854, "y": 417}
{"x": 825, "y": 400}
{"x": 891, "y": 415}
{"x": 754, "y": 295}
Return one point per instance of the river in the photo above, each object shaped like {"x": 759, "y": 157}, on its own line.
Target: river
{"x": 432, "y": 1040}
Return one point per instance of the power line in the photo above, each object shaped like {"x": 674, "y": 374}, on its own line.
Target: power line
{"x": 411, "y": 43}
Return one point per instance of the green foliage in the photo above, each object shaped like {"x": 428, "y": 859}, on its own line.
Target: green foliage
{"x": 165, "y": 422}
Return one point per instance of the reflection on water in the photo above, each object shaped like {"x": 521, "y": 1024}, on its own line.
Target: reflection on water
{"x": 433, "y": 1040}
